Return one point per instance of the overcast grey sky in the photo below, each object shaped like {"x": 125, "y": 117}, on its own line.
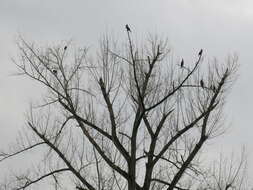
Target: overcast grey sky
{"x": 220, "y": 27}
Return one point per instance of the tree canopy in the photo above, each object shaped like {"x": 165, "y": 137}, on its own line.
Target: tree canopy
{"x": 129, "y": 117}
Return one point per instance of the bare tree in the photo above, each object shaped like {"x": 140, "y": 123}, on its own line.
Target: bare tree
{"x": 130, "y": 118}
{"x": 225, "y": 174}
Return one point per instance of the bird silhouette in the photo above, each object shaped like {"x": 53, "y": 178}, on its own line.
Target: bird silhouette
{"x": 65, "y": 47}
{"x": 101, "y": 82}
{"x": 54, "y": 71}
{"x": 182, "y": 63}
{"x": 200, "y": 52}
{"x": 128, "y": 28}
{"x": 202, "y": 83}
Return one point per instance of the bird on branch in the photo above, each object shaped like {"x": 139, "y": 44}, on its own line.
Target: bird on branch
{"x": 65, "y": 47}
{"x": 200, "y": 52}
{"x": 128, "y": 28}
{"x": 202, "y": 83}
{"x": 102, "y": 84}
{"x": 213, "y": 88}
{"x": 54, "y": 71}
{"x": 158, "y": 50}
{"x": 182, "y": 63}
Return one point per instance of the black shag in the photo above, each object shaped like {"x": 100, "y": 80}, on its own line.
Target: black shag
{"x": 65, "y": 47}
{"x": 128, "y": 28}
{"x": 202, "y": 83}
{"x": 101, "y": 82}
{"x": 200, "y": 52}
{"x": 182, "y": 63}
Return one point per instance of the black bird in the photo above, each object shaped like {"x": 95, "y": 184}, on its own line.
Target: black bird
{"x": 65, "y": 47}
{"x": 128, "y": 28}
{"x": 54, "y": 71}
{"x": 101, "y": 80}
{"x": 182, "y": 63}
{"x": 102, "y": 84}
{"x": 200, "y": 52}
{"x": 202, "y": 83}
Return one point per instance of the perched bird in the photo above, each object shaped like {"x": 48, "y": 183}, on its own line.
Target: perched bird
{"x": 128, "y": 28}
{"x": 54, "y": 71}
{"x": 200, "y": 52}
{"x": 65, "y": 47}
{"x": 202, "y": 83}
{"x": 101, "y": 82}
{"x": 182, "y": 63}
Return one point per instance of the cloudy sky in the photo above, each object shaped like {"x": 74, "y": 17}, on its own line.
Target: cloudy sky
{"x": 220, "y": 27}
